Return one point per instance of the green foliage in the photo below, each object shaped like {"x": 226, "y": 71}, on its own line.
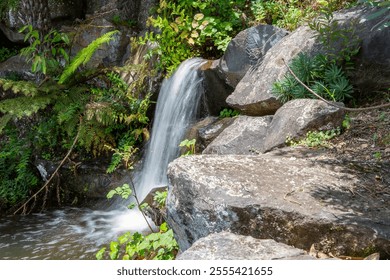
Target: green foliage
{"x": 189, "y": 145}
{"x": 189, "y": 28}
{"x": 135, "y": 246}
{"x": 321, "y": 75}
{"x": 124, "y": 191}
{"x": 384, "y": 7}
{"x": 228, "y": 113}
{"x": 315, "y": 138}
{"x": 107, "y": 114}
{"x": 6, "y": 5}
{"x": 46, "y": 52}
{"x": 290, "y": 14}
{"x": 17, "y": 177}
{"x": 85, "y": 55}
{"x": 160, "y": 198}
{"x": 330, "y": 33}
{"x": 6, "y": 53}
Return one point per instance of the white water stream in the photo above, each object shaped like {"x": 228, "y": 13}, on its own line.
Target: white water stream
{"x": 74, "y": 233}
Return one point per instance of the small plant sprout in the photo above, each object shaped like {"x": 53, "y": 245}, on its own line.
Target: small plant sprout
{"x": 190, "y": 145}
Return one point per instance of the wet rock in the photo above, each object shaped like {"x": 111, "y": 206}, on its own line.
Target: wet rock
{"x": 296, "y": 201}
{"x": 229, "y": 246}
{"x": 245, "y": 136}
{"x": 295, "y": 118}
{"x": 216, "y": 90}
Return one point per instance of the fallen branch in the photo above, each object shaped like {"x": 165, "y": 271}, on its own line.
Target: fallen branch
{"x": 332, "y": 103}
{"x": 45, "y": 186}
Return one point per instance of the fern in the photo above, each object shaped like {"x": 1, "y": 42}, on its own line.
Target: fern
{"x": 85, "y": 55}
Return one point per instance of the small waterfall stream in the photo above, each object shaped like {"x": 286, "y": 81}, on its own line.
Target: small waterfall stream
{"x": 177, "y": 106}
{"x": 74, "y": 233}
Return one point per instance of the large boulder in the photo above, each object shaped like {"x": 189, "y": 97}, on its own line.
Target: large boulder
{"x": 247, "y": 49}
{"x": 295, "y": 118}
{"x": 61, "y": 11}
{"x": 245, "y": 136}
{"x": 253, "y": 95}
{"x": 108, "y": 54}
{"x": 229, "y": 246}
{"x": 296, "y": 201}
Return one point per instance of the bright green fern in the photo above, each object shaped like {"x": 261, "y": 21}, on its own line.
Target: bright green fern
{"x": 85, "y": 55}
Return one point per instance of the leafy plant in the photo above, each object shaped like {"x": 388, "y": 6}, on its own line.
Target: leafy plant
{"x": 290, "y": 14}
{"x": 85, "y": 55}
{"x": 48, "y": 54}
{"x": 384, "y": 7}
{"x": 193, "y": 28}
{"x": 17, "y": 176}
{"x": 330, "y": 33}
{"x": 190, "y": 145}
{"x": 6, "y": 53}
{"x": 315, "y": 138}
{"x": 228, "y": 113}
{"x": 321, "y": 75}
{"x": 135, "y": 246}
{"x": 160, "y": 198}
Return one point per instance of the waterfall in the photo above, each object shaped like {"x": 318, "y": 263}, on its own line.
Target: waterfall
{"x": 177, "y": 106}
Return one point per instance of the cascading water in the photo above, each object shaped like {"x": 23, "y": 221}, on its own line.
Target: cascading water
{"x": 79, "y": 233}
{"x": 177, "y": 106}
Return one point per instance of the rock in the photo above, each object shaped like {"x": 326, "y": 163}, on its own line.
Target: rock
{"x": 61, "y": 12}
{"x": 154, "y": 210}
{"x": 299, "y": 116}
{"x": 244, "y": 136}
{"x": 216, "y": 90}
{"x": 247, "y": 49}
{"x": 108, "y": 54}
{"x": 211, "y": 131}
{"x": 229, "y": 246}
{"x": 253, "y": 94}
{"x": 16, "y": 67}
{"x": 296, "y": 201}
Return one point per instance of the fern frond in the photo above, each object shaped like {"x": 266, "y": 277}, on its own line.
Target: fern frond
{"x": 24, "y": 106}
{"x": 85, "y": 55}
{"x": 4, "y": 121}
{"x": 24, "y": 87}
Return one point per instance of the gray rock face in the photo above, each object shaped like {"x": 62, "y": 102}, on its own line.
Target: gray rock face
{"x": 216, "y": 90}
{"x": 108, "y": 54}
{"x": 60, "y": 11}
{"x": 292, "y": 200}
{"x": 253, "y": 135}
{"x": 253, "y": 95}
{"x": 247, "y": 49}
{"x": 229, "y": 246}
{"x": 244, "y": 136}
{"x": 299, "y": 116}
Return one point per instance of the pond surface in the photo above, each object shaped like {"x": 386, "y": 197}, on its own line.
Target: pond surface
{"x": 69, "y": 233}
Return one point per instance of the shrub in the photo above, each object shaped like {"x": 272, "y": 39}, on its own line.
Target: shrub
{"x": 318, "y": 73}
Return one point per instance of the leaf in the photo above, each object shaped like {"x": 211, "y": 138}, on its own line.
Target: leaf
{"x": 83, "y": 56}
{"x": 111, "y": 194}
{"x": 198, "y": 16}
{"x": 164, "y": 227}
{"x": 100, "y": 253}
